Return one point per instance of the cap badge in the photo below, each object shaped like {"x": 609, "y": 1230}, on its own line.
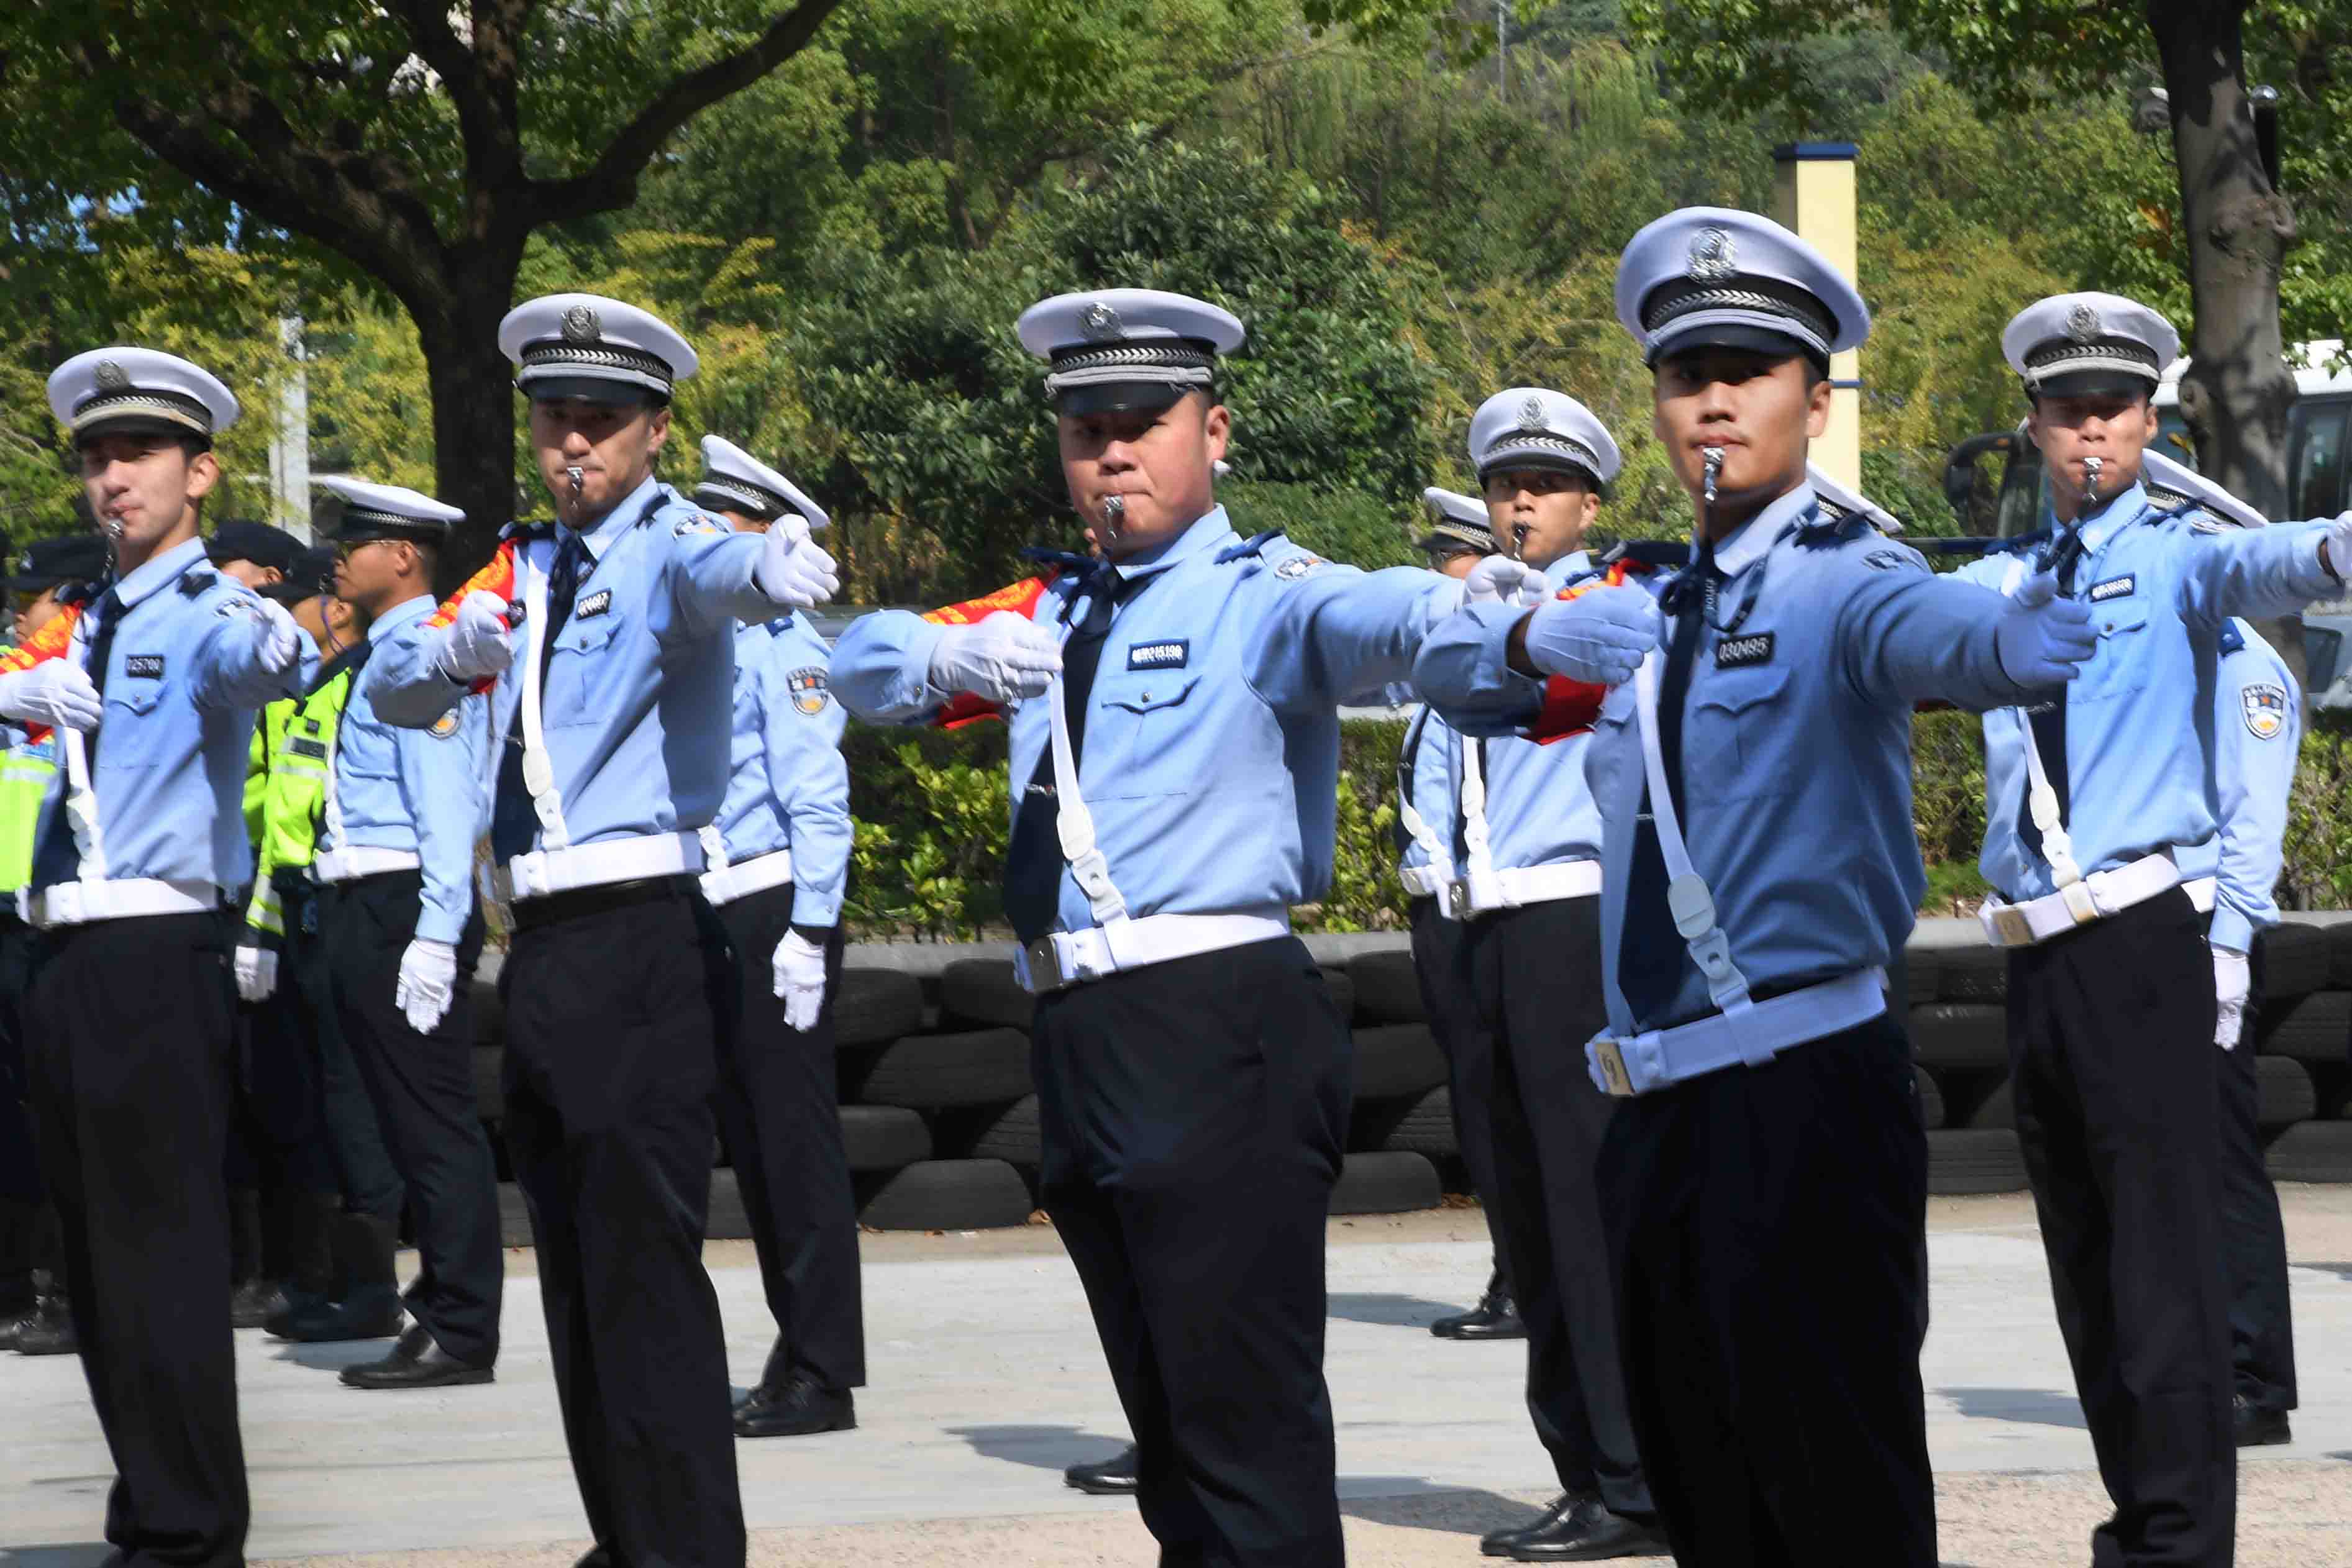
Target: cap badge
{"x": 1713, "y": 257}
{"x": 1531, "y": 415}
{"x": 1100, "y": 323}
{"x": 112, "y": 377}
{"x": 581, "y": 325}
{"x": 2081, "y": 323}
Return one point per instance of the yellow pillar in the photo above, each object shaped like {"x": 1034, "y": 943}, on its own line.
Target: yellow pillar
{"x": 1813, "y": 194}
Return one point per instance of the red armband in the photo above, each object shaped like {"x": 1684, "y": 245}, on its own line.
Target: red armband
{"x": 1020, "y": 599}
{"x": 1569, "y": 706}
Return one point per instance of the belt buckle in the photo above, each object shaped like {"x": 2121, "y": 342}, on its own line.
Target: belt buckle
{"x": 1610, "y": 1055}
{"x": 2081, "y": 907}
{"x": 2015, "y": 929}
{"x": 1457, "y": 898}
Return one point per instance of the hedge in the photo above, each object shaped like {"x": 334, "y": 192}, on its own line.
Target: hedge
{"x": 931, "y": 827}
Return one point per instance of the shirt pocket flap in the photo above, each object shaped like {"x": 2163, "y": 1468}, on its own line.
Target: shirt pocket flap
{"x": 138, "y": 695}
{"x": 588, "y": 637}
{"x": 1149, "y": 694}
{"x": 2119, "y": 616}
{"x": 1741, "y": 689}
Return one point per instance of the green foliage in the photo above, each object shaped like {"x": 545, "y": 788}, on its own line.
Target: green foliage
{"x": 2319, "y": 872}
{"x": 929, "y": 861}
{"x": 1337, "y": 524}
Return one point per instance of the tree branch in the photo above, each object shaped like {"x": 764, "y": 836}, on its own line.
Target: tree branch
{"x": 492, "y": 140}
{"x": 611, "y": 180}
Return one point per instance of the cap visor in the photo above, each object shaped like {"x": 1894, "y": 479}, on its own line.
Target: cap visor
{"x": 360, "y": 533}
{"x": 587, "y": 389}
{"x": 140, "y": 425}
{"x": 1122, "y": 397}
{"x": 1737, "y": 336}
{"x": 2095, "y": 383}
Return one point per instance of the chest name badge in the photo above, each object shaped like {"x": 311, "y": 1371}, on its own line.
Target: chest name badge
{"x": 300, "y": 747}
{"x": 808, "y": 688}
{"x": 1738, "y": 653}
{"x": 2265, "y": 711}
{"x": 2113, "y": 588}
{"x": 1170, "y": 654}
{"x": 595, "y": 605}
{"x": 145, "y": 666}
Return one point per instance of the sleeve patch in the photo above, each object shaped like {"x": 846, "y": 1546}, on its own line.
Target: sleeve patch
{"x": 1290, "y": 569}
{"x": 2264, "y": 706}
{"x": 700, "y": 522}
{"x": 808, "y": 688}
{"x": 445, "y": 726}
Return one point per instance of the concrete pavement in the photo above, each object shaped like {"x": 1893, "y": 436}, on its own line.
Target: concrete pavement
{"x": 986, "y": 1381}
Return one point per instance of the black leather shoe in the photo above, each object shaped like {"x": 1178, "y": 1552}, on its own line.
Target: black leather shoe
{"x": 372, "y": 1312}
{"x": 1577, "y": 1529}
{"x": 1114, "y": 1477}
{"x": 800, "y": 1409}
{"x": 416, "y": 1361}
{"x": 48, "y": 1330}
{"x": 297, "y": 1306}
{"x": 2259, "y": 1426}
{"x": 251, "y": 1303}
{"x": 1494, "y": 1318}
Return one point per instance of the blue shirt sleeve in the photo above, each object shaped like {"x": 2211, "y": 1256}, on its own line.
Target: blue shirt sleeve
{"x": 231, "y": 669}
{"x": 1464, "y": 671}
{"x": 2250, "y": 572}
{"x": 882, "y": 667}
{"x": 711, "y": 580}
{"x": 1909, "y": 635}
{"x": 1333, "y": 631}
{"x": 2254, "y": 774}
{"x": 811, "y": 780}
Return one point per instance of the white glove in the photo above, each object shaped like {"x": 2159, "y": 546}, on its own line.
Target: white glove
{"x": 473, "y": 645}
{"x": 275, "y": 636}
{"x": 2231, "y": 982}
{"x": 2337, "y": 548}
{"x": 1600, "y": 636}
{"x": 2043, "y": 639}
{"x": 55, "y": 692}
{"x": 428, "y": 975}
{"x": 1002, "y": 657}
{"x": 792, "y": 570}
{"x": 257, "y": 973}
{"x": 1497, "y": 579}
{"x": 800, "y": 980}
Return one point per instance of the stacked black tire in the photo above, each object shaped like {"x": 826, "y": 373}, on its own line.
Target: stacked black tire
{"x": 1957, "y": 990}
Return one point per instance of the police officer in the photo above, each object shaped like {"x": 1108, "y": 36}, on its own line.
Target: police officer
{"x": 1526, "y": 891}
{"x": 779, "y": 854}
{"x": 2230, "y": 879}
{"x": 1764, "y": 1180}
{"x": 334, "y": 1204}
{"x": 138, "y": 845}
{"x": 1460, "y": 536}
{"x": 1175, "y": 795}
{"x": 254, "y": 553}
{"x": 2112, "y": 1005}
{"x": 393, "y": 815}
{"x": 34, "y": 1318}
{"x": 609, "y": 714}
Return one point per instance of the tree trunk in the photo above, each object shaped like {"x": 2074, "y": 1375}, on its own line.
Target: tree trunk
{"x": 473, "y": 417}
{"x": 2237, "y": 393}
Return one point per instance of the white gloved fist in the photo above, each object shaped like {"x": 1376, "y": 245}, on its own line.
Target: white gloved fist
{"x": 792, "y": 570}
{"x": 275, "y": 636}
{"x": 2337, "y": 548}
{"x": 800, "y": 980}
{"x": 1002, "y": 657}
{"x": 2043, "y": 639}
{"x": 1497, "y": 579}
{"x": 474, "y": 645}
{"x": 428, "y": 978}
{"x": 57, "y": 692}
{"x": 1600, "y": 636}
{"x": 2231, "y": 983}
{"x": 257, "y": 973}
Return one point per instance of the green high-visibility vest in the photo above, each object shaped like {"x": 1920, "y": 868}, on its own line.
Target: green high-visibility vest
{"x": 296, "y": 743}
{"x": 27, "y": 770}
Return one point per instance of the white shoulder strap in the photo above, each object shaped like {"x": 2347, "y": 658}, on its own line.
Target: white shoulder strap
{"x": 1439, "y": 854}
{"x": 538, "y": 769}
{"x": 81, "y": 800}
{"x": 1688, "y": 897}
{"x": 2041, "y": 799}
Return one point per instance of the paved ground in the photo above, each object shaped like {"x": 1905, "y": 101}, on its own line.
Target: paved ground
{"x": 986, "y": 1382}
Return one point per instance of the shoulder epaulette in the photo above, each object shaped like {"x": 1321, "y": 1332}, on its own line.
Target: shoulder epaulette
{"x": 196, "y": 579}
{"x": 528, "y": 530}
{"x": 1254, "y": 545}
{"x": 2232, "y": 640}
{"x": 1656, "y": 555}
{"x": 1830, "y": 525}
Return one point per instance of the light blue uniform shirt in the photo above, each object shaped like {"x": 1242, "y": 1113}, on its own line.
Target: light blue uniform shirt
{"x": 1427, "y": 765}
{"x": 423, "y": 791}
{"x": 2159, "y": 589}
{"x": 788, "y": 788}
{"x": 1796, "y": 763}
{"x": 1539, "y": 809}
{"x": 638, "y": 687}
{"x": 184, "y": 679}
{"x": 2257, "y": 734}
{"x": 1211, "y": 751}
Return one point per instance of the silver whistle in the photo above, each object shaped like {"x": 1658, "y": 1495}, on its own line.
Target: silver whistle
{"x": 577, "y": 477}
{"x": 1114, "y": 514}
{"x": 2091, "y": 467}
{"x": 1713, "y": 457}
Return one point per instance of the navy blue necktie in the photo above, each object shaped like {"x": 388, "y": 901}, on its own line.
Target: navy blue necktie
{"x": 514, "y": 821}
{"x": 1033, "y": 862}
{"x": 1651, "y": 953}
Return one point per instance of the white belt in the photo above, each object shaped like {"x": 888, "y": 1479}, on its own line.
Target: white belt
{"x": 2201, "y": 894}
{"x": 744, "y": 877}
{"x": 1482, "y": 892}
{"x": 80, "y": 903}
{"x": 2095, "y": 898}
{"x": 543, "y": 872}
{"x": 1067, "y": 958}
{"x": 1754, "y": 1035}
{"x": 1422, "y": 881}
{"x": 353, "y": 861}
